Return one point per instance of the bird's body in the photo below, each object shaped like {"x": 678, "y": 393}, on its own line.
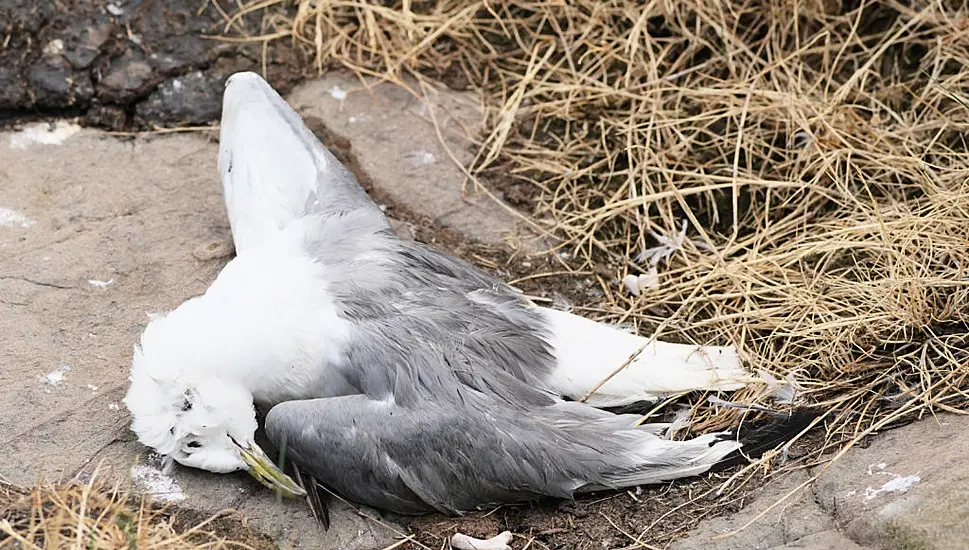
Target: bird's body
{"x": 398, "y": 375}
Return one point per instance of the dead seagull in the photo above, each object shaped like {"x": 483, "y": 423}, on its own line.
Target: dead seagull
{"x": 394, "y": 374}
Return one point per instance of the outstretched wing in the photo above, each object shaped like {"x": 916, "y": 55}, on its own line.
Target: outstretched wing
{"x": 273, "y": 169}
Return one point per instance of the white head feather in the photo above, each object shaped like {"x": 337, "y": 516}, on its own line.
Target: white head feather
{"x": 189, "y": 414}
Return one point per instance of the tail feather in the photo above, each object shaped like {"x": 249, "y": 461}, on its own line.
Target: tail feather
{"x": 662, "y": 460}
{"x": 588, "y": 352}
{"x": 764, "y": 435}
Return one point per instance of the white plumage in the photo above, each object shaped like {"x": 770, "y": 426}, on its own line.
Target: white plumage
{"x": 588, "y": 352}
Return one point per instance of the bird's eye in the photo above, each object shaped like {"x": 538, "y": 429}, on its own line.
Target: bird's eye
{"x": 194, "y": 444}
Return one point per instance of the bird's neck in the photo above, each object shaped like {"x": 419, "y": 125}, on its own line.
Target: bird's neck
{"x": 269, "y": 324}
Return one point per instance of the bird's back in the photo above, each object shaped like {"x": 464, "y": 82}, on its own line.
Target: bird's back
{"x": 422, "y": 318}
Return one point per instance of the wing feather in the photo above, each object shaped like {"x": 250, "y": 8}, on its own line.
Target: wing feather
{"x": 273, "y": 169}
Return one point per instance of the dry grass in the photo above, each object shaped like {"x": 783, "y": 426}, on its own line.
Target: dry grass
{"x": 101, "y": 514}
{"x": 815, "y": 152}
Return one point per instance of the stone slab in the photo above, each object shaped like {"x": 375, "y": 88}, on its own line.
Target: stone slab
{"x": 909, "y": 488}
{"x": 825, "y": 540}
{"x": 905, "y": 489}
{"x": 387, "y": 122}
{"x": 793, "y": 520}
{"x": 96, "y": 232}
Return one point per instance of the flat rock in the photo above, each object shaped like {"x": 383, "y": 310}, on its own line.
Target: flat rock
{"x": 908, "y": 489}
{"x": 96, "y": 232}
{"x": 825, "y": 540}
{"x": 386, "y": 122}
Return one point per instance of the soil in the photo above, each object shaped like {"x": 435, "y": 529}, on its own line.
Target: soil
{"x": 126, "y": 64}
{"x": 228, "y": 526}
{"x": 610, "y": 520}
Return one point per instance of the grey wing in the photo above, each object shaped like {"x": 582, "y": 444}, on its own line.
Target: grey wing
{"x": 431, "y": 432}
{"x": 423, "y": 319}
{"x": 273, "y": 169}
{"x": 475, "y": 451}
{"x": 427, "y": 345}
{"x": 428, "y": 458}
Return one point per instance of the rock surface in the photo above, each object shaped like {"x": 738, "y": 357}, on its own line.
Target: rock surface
{"x": 797, "y": 518}
{"x": 405, "y": 139}
{"x": 907, "y": 490}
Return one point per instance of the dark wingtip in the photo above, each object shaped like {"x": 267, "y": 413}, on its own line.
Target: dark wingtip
{"x": 318, "y": 505}
{"x": 763, "y": 435}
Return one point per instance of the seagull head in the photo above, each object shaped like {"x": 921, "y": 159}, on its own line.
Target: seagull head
{"x": 193, "y": 415}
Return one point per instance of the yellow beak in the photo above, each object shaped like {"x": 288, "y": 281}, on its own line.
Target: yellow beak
{"x": 262, "y": 468}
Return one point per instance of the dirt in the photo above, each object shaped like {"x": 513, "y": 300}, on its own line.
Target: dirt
{"x": 229, "y": 526}
{"x": 660, "y": 515}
